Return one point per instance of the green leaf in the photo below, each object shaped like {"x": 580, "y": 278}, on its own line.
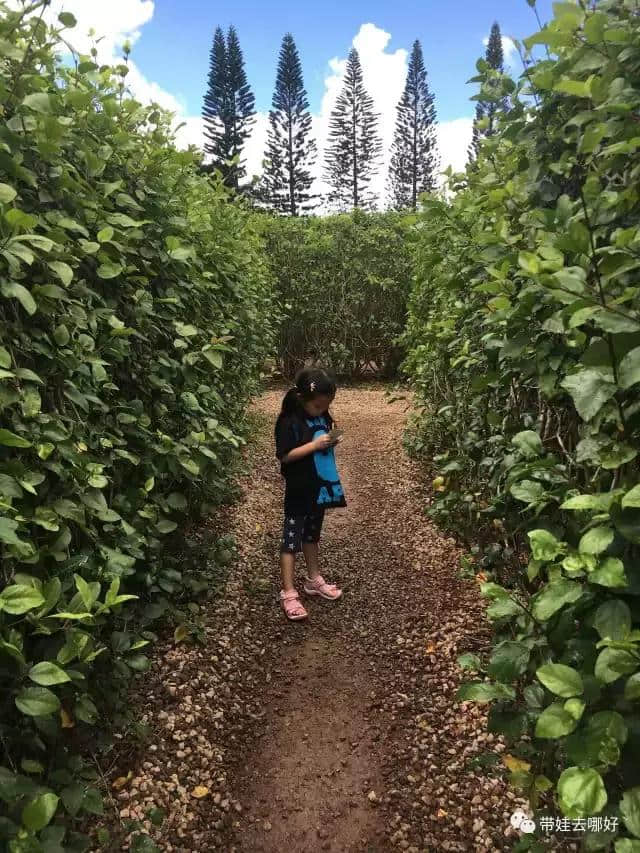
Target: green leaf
{"x": 610, "y": 573}
{"x": 577, "y": 88}
{"x": 72, "y": 798}
{"x": 554, "y": 596}
{"x": 39, "y": 812}
{"x": 529, "y": 263}
{"x": 629, "y": 369}
{"x": 176, "y": 500}
{"x": 581, "y": 792}
{"x": 39, "y": 102}
{"x": 109, "y": 270}
{"x": 528, "y": 491}
{"x": 213, "y": 357}
{"x": 544, "y": 545}
{"x": 626, "y": 845}
{"x": 140, "y": 663}
{"x": 13, "y": 290}
{"x": 554, "y": 722}
{"x": 612, "y": 664}
{"x": 596, "y": 540}
{"x": 529, "y": 443}
{"x": 7, "y": 193}
{"x": 10, "y": 439}
{"x": 630, "y": 810}
{"x": 469, "y": 661}
{"x": 509, "y": 661}
{"x": 19, "y": 598}
{"x": 37, "y": 702}
{"x": 47, "y": 673}
{"x": 589, "y": 391}
{"x": 67, "y": 20}
{"x": 632, "y": 688}
{"x": 600, "y": 502}
{"x": 31, "y": 766}
{"x": 86, "y": 710}
{"x": 61, "y": 335}
{"x": 560, "y": 679}
{"x": 63, "y": 271}
{"x": 613, "y": 620}
{"x": 575, "y": 707}
{"x": 88, "y": 592}
{"x": 105, "y": 234}
{"x": 483, "y": 692}
{"x": 632, "y": 498}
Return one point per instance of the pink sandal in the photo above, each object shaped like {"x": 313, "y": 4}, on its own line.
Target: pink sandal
{"x": 292, "y": 606}
{"x": 318, "y": 586}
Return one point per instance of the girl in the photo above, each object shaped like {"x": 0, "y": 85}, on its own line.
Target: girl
{"x": 312, "y": 484}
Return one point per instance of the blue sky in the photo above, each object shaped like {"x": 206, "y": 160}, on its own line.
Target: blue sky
{"x": 171, "y": 41}
{"x": 173, "y": 47}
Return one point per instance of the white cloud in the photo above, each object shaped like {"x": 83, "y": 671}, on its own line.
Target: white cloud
{"x": 114, "y": 22}
{"x": 453, "y": 139}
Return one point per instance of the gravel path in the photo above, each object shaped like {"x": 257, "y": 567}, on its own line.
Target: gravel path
{"x": 341, "y": 733}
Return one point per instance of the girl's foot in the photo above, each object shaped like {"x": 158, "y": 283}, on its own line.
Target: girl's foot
{"x": 292, "y": 605}
{"x": 318, "y": 586}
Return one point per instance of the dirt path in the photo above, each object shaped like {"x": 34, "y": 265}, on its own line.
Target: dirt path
{"x": 341, "y": 733}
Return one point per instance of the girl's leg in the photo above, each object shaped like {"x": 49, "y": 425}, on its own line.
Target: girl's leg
{"x": 287, "y": 568}
{"x": 310, "y": 551}
{"x": 291, "y": 540}
{"x": 310, "y": 538}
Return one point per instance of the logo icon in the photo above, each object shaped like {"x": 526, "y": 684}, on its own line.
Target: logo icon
{"x": 521, "y": 820}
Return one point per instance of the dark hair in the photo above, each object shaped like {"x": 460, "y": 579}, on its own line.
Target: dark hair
{"x": 309, "y": 383}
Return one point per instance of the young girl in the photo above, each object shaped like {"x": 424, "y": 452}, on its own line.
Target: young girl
{"x": 312, "y": 484}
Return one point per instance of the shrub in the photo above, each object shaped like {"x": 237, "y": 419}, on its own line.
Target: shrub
{"x": 134, "y": 313}
{"x": 524, "y": 333}
{"x": 343, "y": 283}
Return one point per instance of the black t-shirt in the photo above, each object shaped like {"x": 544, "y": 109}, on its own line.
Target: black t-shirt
{"x": 313, "y": 482}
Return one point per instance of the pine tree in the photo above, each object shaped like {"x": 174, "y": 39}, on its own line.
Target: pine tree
{"x": 228, "y": 107}
{"x": 241, "y": 105}
{"x": 488, "y": 110}
{"x": 414, "y": 156}
{"x": 291, "y": 152}
{"x": 214, "y": 111}
{"x": 354, "y": 146}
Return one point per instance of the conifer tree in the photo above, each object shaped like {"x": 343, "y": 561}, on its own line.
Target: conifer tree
{"x": 242, "y": 104}
{"x": 414, "y": 158}
{"x": 354, "y": 147}
{"x": 291, "y": 152}
{"x": 488, "y": 110}
{"x": 228, "y": 107}
{"x": 214, "y": 110}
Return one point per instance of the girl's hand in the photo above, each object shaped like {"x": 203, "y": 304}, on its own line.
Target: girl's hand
{"x": 323, "y": 442}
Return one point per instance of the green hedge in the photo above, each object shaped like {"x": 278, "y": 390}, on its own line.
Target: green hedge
{"x": 525, "y": 351}
{"x": 135, "y": 311}
{"x": 343, "y": 283}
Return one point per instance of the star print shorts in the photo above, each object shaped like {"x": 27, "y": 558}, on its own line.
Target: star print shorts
{"x": 300, "y": 528}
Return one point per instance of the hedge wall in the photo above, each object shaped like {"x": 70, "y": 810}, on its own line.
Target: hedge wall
{"x": 135, "y": 311}
{"x": 524, "y": 338}
{"x": 343, "y": 283}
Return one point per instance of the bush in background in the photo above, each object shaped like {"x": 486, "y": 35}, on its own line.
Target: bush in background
{"x": 343, "y": 283}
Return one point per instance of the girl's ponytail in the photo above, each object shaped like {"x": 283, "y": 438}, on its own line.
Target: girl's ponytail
{"x": 290, "y": 403}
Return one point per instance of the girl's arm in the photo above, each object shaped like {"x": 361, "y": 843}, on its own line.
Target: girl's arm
{"x": 322, "y": 442}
